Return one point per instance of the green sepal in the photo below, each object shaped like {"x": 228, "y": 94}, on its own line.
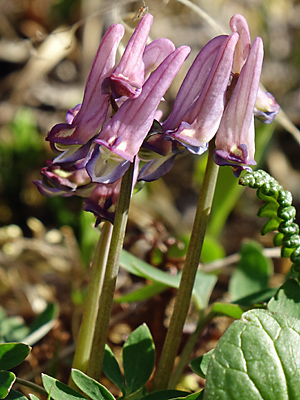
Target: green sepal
{"x": 277, "y": 240}
{"x": 268, "y": 210}
{"x": 270, "y": 226}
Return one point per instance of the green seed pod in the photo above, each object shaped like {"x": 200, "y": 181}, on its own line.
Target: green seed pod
{"x": 295, "y": 257}
{"x": 288, "y": 229}
{"x": 285, "y": 198}
{"x": 286, "y": 213}
{"x": 291, "y": 241}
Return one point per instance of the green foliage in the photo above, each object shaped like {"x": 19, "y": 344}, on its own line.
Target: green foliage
{"x": 59, "y": 390}
{"x": 204, "y": 283}
{"x": 14, "y": 395}
{"x": 252, "y": 274}
{"x": 89, "y": 386}
{"x": 279, "y": 210}
{"x": 7, "y": 379}
{"x": 12, "y": 354}
{"x": 13, "y": 329}
{"x": 258, "y": 357}
{"x": 138, "y": 358}
{"x": 138, "y": 361}
{"x": 287, "y": 299}
{"x": 165, "y": 395}
{"x": 199, "y": 365}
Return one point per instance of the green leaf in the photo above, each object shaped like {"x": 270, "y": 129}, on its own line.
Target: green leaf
{"x": 165, "y": 394}
{"x": 7, "y": 379}
{"x": 89, "y": 386}
{"x": 287, "y": 299}
{"x": 253, "y": 272}
{"x": 59, "y": 390}
{"x": 14, "y": 395}
{"x": 138, "y": 358}
{"x": 199, "y": 365}
{"x": 203, "y": 286}
{"x": 261, "y": 296}
{"x": 112, "y": 370}
{"x": 204, "y": 283}
{"x": 193, "y": 396}
{"x": 33, "y": 397}
{"x": 49, "y": 314}
{"x": 144, "y": 293}
{"x": 230, "y": 310}
{"x": 12, "y": 329}
{"x": 12, "y": 354}
{"x": 212, "y": 250}
{"x": 258, "y": 357}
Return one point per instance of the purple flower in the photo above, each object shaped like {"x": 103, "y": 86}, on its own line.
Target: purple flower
{"x": 94, "y": 110}
{"x": 200, "y": 102}
{"x": 128, "y": 77}
{"x": 235, "y": 136}
{"x": 125, "y": 132}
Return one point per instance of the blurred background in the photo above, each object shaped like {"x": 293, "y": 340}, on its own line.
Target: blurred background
{"x": 46, "y": 51}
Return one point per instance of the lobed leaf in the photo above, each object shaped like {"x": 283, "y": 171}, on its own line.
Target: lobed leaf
{"x": 112, "y": 370}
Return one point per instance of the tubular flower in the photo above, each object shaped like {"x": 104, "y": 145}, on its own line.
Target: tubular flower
{"x": 196, "y": 116}
{"x": 125, "y": 132}
{"x": 128, "y": 77}
{"x": 235, "y": 137}
{"x": 95, "y": 148}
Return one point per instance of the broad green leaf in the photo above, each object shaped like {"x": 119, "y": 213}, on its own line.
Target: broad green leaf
{"x": 112, "y": 370}
{"x": 33, "y": 397}
{"x": 193, "y": 396}
{"x": 261, "y": 296}
{"x": 287, "y": 299}
{"x": 59, "y": 390}
{"x": 138, "y": 358}
{"x": 212, "y": 249}
{"x": 199, "y": 365}
{"x": 12, "y": 329}
{"x": 257, "y": 358}
{"x": 144, "y": 293}
{"x": 12, "y": 354}
{"x": 46, "y": 316}
{"x": 253, "y": 272}
{"x": 7, "y": 379}
{"x": 89, "y": 386}
{"x": 14, "y": 395}
{"x": 230, "y": 310}
{"x": 165, "y": 394}
{"x": 203, "y": 286}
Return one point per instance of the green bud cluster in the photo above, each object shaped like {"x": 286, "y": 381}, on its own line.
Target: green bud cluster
{"x": 279, "y": 211}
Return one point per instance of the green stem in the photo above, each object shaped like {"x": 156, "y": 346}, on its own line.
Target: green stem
{"x": 86, "y": 331}
{"x": 184, "y": 294}
{"x": 188, "y": 349}
{"x": 31, "y": 385}
{"x": 102, "y": 324}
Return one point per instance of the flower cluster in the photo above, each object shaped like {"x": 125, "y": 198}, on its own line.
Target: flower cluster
{"x": 117, "y": 122}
